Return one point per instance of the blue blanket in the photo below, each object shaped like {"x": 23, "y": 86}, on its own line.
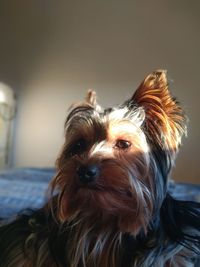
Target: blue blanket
{"x": 26, "y": 187}
{"x": 23, "y": 188}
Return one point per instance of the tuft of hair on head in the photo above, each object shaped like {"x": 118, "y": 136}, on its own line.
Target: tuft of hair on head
{"x": 88, "y": 106}
{"x": 165, "y": 121}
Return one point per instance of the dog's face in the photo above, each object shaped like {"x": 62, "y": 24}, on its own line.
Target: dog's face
{"x": 115, "y": 162}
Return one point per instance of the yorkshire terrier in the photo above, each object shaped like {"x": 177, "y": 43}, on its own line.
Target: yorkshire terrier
{"x": 109, "y": 204}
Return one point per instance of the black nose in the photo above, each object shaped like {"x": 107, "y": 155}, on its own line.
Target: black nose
{"x": 88, "y": 174}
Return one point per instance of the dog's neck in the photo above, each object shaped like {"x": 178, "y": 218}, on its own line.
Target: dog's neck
{"x": 94, "y": 241}
{"x": 97, "y": 241}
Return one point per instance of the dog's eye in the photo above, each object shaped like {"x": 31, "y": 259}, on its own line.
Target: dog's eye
{"x": 122, "y": 144}
{"x": 79, "y": 147}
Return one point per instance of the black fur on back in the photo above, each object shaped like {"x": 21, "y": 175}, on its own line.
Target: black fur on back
{"x": 181, "y": 222}
{"x": 178, "y": 224}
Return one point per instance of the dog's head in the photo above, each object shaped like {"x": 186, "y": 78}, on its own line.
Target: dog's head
{"x": 114, "y": 164}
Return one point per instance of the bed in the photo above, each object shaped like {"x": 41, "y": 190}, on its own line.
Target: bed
{"x": 23, "y": 188}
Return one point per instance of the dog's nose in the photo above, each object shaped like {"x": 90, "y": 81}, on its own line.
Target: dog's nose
{"x": 88, "y": 174}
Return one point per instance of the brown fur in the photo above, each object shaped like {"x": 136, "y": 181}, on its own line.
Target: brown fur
{"x": 114, "y": 221}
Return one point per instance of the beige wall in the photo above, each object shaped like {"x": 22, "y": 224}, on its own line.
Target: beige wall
{"x": 51, "y": 53}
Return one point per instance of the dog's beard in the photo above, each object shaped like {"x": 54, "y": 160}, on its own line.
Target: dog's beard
{"x": 122, "y": 200}
{"x": 123, "y": 193}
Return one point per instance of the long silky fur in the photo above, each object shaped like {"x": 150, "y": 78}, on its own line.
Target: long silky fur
{"x": 155, "y": 230}
{"x": 38, "y": 240}
{"x": 181, "y": 221}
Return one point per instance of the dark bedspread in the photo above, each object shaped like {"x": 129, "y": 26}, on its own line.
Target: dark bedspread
{"x": 25, "y": 188}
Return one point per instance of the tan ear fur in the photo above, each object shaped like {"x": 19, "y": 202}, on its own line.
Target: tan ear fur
{"x": 165, "y": 119}
{"x": 91, "y": 99}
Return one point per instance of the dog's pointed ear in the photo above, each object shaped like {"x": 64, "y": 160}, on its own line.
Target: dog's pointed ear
{"x": 164, "y": 118}
{"x": 91, "y": 99}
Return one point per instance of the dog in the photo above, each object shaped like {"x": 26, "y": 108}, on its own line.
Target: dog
{"x": 109, "y": 204}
